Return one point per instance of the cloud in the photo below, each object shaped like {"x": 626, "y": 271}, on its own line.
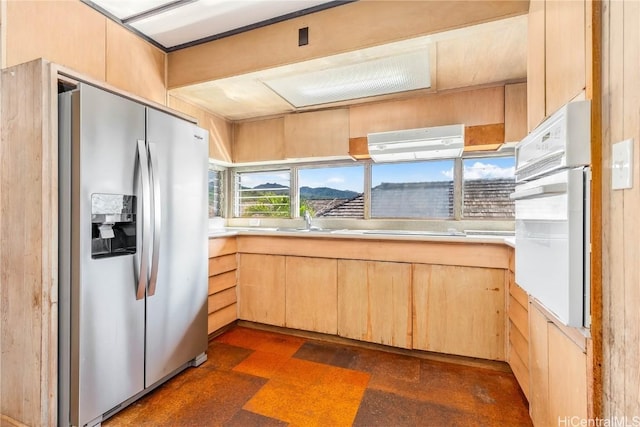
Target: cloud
{"x": 335, "y": 180}
{"x": 481, "y": 170}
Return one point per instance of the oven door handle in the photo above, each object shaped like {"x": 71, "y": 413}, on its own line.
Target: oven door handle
{"x": 540, "y": 191}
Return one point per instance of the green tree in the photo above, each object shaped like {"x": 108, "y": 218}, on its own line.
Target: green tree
{"x": 275, "y": 205}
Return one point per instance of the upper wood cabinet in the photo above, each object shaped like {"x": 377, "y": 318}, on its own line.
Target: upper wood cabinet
{"x": 66, "y": 32}
{"x": 535, "y": 64}
{"x": 135, "y": 65}
{"x": 556, "y": 71}
{"x": 259, "y": 140}
{"x": 220, "y": 131}
{"x": 565, "y": 52}
{"x": 72, "y": 34}
{"x": 471, "y": 108}
{"x": 515, "y": 112}
{"x": 317, "y": 134}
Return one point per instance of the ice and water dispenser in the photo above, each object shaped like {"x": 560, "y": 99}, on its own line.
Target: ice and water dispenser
{"x": 113, "y": 225}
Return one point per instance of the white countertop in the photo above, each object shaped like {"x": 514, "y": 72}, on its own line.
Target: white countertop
{"x": 430, "y": 236}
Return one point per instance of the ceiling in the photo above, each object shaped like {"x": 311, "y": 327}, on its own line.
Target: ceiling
{"x": 490, "y": 53}
{"x": 174, "y": 24}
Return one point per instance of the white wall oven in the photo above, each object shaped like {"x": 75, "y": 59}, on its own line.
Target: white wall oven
{"x": 552, "y": 213}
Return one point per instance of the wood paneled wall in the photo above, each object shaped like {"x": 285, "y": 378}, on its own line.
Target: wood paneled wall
{"x": 620, "y": 221}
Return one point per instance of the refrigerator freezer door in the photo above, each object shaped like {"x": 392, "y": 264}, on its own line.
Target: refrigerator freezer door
{"x": 107, "y": 332}
{"x": 177, "y": 311}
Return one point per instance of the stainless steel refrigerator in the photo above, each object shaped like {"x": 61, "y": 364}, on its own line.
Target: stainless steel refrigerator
{"x": 133, "y": 251}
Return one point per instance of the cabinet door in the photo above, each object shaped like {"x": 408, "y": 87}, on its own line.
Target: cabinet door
{"x": 515, "y": 112}
{"x": 565, "y": 50}
{"x": 261, "y": 288}
{"x": 567, "y": 377}
{"x": 374, "y": 302}
{"x": 459, "y": 310}
{"x": 317, "y": 134}
{"x": 535, "y": 64}
{"x": 311, "y": 294}
{"x": 538, "y": 368}
{"x": 259, "y": 140}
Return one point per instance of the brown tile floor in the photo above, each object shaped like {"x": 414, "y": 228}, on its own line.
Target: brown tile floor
{"x": 263, "y": 378}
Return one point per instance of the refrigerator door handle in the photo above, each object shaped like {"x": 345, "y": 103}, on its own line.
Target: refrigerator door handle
{"x": 157, "y": 219}
{"x": 146, "y": 220}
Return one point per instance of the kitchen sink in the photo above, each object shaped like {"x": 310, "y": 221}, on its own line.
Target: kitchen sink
{"x": 306, "y": 230}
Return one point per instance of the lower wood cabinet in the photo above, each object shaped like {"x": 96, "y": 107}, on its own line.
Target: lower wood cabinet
{"x": 454, "y": 309}
{"x": 311, "y": 294}
{"x": 261, "y": 288}
{"x": 222, "y": 300}
{"x": 374, "y": 302}
{"x": 459, "y": 310}
{"x": 558, "y": 373}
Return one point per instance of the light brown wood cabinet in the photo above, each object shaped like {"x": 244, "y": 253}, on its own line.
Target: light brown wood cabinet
{"x": 558, "y": 373}
{"x": 258, "y": 140}
{"x": 261, "y": 290}
{"x": 222, "y": 299}
{"x": 391, "y": 292}
{"x": 374, "y": 302}
{"x": 556, "y": 70}
{"x": 515, "y": 112}
{"x": 312, "y": 294}
{"x": 74, "y": 35}
{"x": 565, "y": 51}
{"x": 459, "y": 310}
{"x": 518, "y": 329}
{"x": 317, "y": 134}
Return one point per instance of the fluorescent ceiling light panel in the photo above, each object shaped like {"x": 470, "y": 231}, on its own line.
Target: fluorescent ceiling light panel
{"x": 400, "y": 73}
{"x": 204, "y": 18}
{"x": 123, "y": 9}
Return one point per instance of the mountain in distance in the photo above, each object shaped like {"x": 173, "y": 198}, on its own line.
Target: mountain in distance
{"x": 317, "y": 193}
{"x": 311, "y": 193}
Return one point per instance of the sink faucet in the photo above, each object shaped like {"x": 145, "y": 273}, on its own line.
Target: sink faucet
{"x": 307, "y": 219}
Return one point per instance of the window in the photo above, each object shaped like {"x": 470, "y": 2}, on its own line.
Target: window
{"x": 412, "y": 189}
{"x": 487, "y": 184}
{"x": 262, "y": 194}
{"x": 335, "y": 192}
{"x": 216, "y": 192}
{"x": 448, "y": 189}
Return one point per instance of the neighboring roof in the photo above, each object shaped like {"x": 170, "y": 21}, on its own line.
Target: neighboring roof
{"x": 412, "y": 200}
{"x": 489, "y": 198}
{"x": 483, "y": 198}
{"x": 350, "y": 208}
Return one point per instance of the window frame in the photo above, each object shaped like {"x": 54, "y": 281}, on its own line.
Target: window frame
{"x": 223, "y": 188}
{"x": 480, "y": 155}
{"x": 294, "y": 191}
{"x": 235, "y": 208}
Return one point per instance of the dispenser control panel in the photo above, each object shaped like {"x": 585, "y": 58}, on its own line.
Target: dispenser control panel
{"x": 113, "y": 225}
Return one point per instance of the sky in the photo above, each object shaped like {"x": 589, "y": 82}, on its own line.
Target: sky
{"x": 352, "y": 177}
{"x": 340, "y": 178}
